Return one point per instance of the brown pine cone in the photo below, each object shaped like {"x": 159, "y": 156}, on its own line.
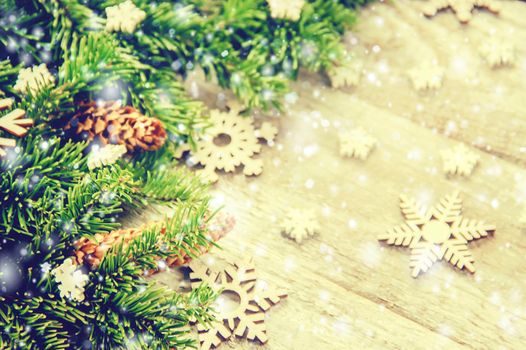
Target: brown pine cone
{"x": 91, "y": 251}
{"x": 109, "y": 122}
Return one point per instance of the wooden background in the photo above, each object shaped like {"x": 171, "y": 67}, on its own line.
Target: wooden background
{"x": 346, "y": 290}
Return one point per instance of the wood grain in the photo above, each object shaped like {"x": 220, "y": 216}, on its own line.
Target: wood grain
{"x": 346, "y": 290}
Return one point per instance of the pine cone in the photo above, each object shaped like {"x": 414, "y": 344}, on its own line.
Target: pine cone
{"x": 110, "y": 123}
{"x": 91, "y": 251}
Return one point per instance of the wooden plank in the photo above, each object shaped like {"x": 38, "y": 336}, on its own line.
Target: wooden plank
{"x": 476, "y": 104}
{"x": 346, "y": 290}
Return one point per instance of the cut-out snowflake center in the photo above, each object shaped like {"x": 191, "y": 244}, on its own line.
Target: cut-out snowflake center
{"x": 228, "y": 303}
{"x": 222, "y": 140}
{"x": 436, "y": 231}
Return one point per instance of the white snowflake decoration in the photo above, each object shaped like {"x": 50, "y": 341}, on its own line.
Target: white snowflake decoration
{"x": 498, "y": 52}
{"x": 286, "y": 9}
{"x": 346, "y": 75}
{"x": 459, "y": 160}
{"x": 34, "y": 79}
{"x": 124, "y": 17}
{"x": 356, "y": 143}
{"x": 71, "y": 281}
{"x": 300, "y": 224}
{"x": 106, "y": 155}
{"x": 426, "y": 76}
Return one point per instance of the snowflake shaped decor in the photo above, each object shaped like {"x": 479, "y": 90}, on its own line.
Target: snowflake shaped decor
{"x": 462, "y": 8}
{"x": 459, "y": 160}
{"x": 14, "y": 123}
{"x": 231, "y": 141}
{"x": 247, "y": 317}
{"x": 426, "y": 76}
{"x": 439, "y": 233}
{"x": 286, "y": 9}
{"x": 106, "y": 155}
{"x": 498, "y": 52}
{"x": 356, "y": 143}
{"x": 124, "y": 17}
{"x": 71, "y": 281}
{"x": 34, "y": 79}
{"x": 346, "y": 75}
{"x": 300, "y": 224}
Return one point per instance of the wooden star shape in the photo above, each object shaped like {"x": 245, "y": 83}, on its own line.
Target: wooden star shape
{"x": 440, "y": 233}
{"x": 459, "y": 160}
{"x": 462, "y": 8}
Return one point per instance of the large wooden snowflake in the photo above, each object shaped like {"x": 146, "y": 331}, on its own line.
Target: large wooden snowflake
{"x": 14, "y": 123}
{"x": 463, "y": 8}
{"x": 248, "y": 317}
{"x": 231, "y": 141}
{"x": 436, "y": 234}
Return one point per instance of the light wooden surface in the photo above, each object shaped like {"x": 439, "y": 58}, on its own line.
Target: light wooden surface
{"x": 346, "y": 290}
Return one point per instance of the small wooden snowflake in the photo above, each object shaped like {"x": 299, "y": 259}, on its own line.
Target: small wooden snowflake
{"x": 439, "y": 233}
{"x": 71, "y": 280}
{"x": 426, "y": 76}
{"x": 300, "y": 224}
{"x": 356, "y": 143}
{"x": 459, "y": 160}
{"x": 106, "y": 155}
{"x": 346, "y": 75}
{"x": 498, "y": 52}
{"x": 124, "y": 17}
{"x": 289, "y": 9}
{"x": 33, "y": 79}
{"x": 462, "y": 8}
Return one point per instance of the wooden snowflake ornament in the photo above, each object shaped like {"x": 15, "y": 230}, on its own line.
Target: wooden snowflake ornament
{"x": 106, "y": 155}
{"x": 498, "y": 52}
{"x": 462, "y": 8}
{"x": 346, "y": 75}
{"x": 286, "y": 9}
{"x": 356, "y": 143}
{"x": 71, "y": 280}
{"x": 231, "y": 141}
{"x": 14, "y": 123}
{"x": 459, "y": 160}
{"x": 247, "y": 318}
{"x": 124, "y": 17}
{"x": 300, "y": 224}
{"x": 436, "y": 234}
{"x": 426, "y": 76}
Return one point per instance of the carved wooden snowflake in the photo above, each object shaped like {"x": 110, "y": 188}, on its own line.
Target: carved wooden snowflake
{"x": 459, "y": 160}
{"x": 14, "y": 123}
{"x": 247, "y": 318}
{"x": 300, "y": 224}
{"x": 436, "y": 234}
{"x": 71, "y": 280}
{"x": 124, "y": 17}
{"x": 462, "y": 8}
{"x": 346, "y": 75}
{"x": 426, "y": 76}
{"x": 356, "y": 143}
{"x": 34, "y": 79}
{"x": 231, "y": 141}
{"x": 106, "y": 155}
{"x": 286, "y": 9}
{"x": 498, "y": 52}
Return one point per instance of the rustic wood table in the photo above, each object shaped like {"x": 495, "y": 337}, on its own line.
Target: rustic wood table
{"x": 346, "y": 290}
